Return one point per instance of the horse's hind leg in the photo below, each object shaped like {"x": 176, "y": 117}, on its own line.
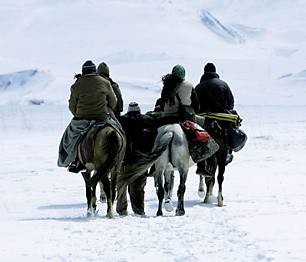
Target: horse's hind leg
{"x": 106, "y": 181}
{"x": 160, "y": 192}
{"x": 86, "y": 177}
{"x": 102, "y": 193}
{"x": 220, "y": 178}
{"x": 169, "y": 182}
{"x": 180, "y": 211}
{"x": 210, "y": 181}
{"x": 201, "y": 190}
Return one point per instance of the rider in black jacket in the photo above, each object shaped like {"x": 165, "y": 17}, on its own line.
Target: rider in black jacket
{"x": 214, "y": 95}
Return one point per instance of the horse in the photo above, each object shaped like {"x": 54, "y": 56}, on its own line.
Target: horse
{"x": 217, "y": 161}
{"x": 177, "y": 156}
{"x": 105, "y": 165}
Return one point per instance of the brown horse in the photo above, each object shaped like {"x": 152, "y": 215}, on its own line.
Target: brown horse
{"x": 104, "y": 165}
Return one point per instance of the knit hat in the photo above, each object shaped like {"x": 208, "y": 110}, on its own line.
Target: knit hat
{"x": 179, "y": 72}
{"x": 210, "y": 67}
{"x": 103, "y": 69}
{"x": 88, "y": 67}
{"x": 133, "y": 107}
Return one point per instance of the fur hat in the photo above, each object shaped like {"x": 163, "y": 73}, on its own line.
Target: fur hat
{"x": 88, "y": 67}
{"x": 133, "y": 107}
{"x": 210, "y": 67}
{"x": 103, "y": 69}
{"x": 179, "y": 72}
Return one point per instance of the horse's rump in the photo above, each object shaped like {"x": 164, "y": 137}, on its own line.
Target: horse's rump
{"x": 102, "y": 142}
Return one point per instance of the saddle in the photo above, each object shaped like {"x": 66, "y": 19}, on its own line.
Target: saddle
{"x": 86, "y": 146}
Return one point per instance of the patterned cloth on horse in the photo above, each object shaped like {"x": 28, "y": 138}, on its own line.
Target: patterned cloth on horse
{"x": 201, "y": 144}
{"x": 76, "y": 131}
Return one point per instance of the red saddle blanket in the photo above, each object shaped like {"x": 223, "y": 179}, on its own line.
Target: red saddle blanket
{"x": 194, "y": 132}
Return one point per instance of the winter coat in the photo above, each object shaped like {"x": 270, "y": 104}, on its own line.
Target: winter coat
{"x": 184, "y": 92}
{"x": 119, "y": 107}
{"x": 92, "y": 97}
{"x": 214, "y": 94}
{"x": 140, "y": 131}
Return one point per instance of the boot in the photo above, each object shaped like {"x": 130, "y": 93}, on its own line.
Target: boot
{"x": 76, "y": 166}
{"x": 229, "y": 157}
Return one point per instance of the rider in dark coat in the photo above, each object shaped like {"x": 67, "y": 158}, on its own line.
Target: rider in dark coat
{"x": 103, "y": 70}
{"x": 140, "y": 133}
{"x": 213, "y": 93}
{"x": 215, "y": 96}
{"x": 91, "y": 99}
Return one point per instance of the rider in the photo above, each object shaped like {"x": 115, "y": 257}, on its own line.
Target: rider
{"x": 103, "y": 70}
{"x": 214, "y": 96}
{"x": 91, "y": 100}
{"x": 140, "y": 133}
{"x": 177, "y": 97}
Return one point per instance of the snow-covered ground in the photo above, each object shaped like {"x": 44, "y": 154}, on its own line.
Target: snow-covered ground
{"x": 259, "y": 48}
{"x": 43, "y": 208}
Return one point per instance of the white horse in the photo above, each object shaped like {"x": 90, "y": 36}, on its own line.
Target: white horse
{"x": 177, "y": 156}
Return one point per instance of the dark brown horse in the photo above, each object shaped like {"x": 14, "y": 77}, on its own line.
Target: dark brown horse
{"x": 217, "y": 161}
{"x": 104, "y": 165}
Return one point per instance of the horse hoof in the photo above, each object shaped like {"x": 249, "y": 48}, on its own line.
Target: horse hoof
{"x": 159, "y": 213}
{"x": 179, "y": 212}
{"x": 89, "y": 213}
{"x": 110, "y": 215}
{"x": 220, "y": 200}
{"x": 168, "y": 205}
{"x": 201, "y": 194}
{"x": 123, "y": 213}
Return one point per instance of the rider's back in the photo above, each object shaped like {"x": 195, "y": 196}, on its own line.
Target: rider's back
{"x": 90, "y": 97}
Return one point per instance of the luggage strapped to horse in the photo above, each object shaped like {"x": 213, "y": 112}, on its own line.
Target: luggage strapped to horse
{"x": 227, "y": 117}
{"x": 236, "y": 137}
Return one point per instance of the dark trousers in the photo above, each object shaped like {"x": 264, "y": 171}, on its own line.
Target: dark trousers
{"x": 136, "y": 192}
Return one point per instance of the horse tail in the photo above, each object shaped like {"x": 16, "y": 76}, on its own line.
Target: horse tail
{"x": 132, "y": 171}
{"x": 115, "y": 145}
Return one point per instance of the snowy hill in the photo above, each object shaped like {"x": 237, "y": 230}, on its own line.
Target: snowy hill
{"x": 252, "y": 43}
{"x": 259, "y": 48}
